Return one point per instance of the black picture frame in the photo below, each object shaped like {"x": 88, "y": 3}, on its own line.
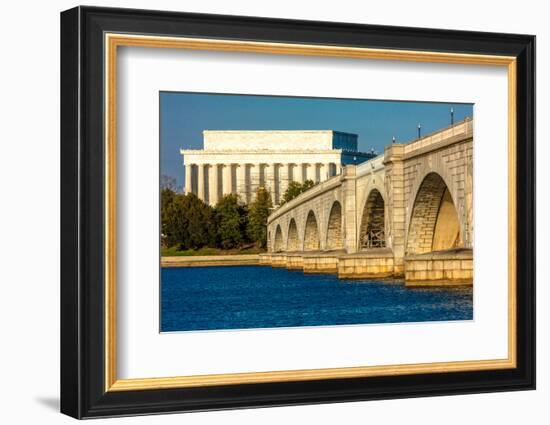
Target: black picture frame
{"x": 83, "y": 392}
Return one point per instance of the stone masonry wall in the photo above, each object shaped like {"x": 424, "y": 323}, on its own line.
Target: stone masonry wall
{"x": 396, "y": 201}
{"x": 424, "y": 214}
{"x": 293, "y": 239}
{"x": 454, "y": 164}
{"x": 372, "y": 219}
{"x": 311, "y": 236}
{"x": 334, "y": 228}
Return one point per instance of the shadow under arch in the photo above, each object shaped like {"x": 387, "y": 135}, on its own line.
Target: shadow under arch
{"x": 311, "y": 233}
{"x": 334, "y": 227}
{"x": 293, "y": 240}
{"x": 278, "y": 241}
{"x": 372, "y": 232}
{"x": 434, "y": 223}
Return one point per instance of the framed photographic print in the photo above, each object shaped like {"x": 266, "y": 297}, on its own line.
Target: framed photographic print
{"x": 261, "y": 212}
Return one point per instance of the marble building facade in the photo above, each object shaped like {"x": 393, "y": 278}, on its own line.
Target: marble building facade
{"x": 241, "y": 161}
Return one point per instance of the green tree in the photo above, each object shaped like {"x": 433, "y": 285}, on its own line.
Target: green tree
{"x": 170, "y": 225}
{"x": 230, "y": 221}
{"x": 201, "y": 224}
{"x": 259, "y": 210}
{"x": 308, "y": 184}
{"x": 294, "y": 189}
{"x": 186, "y": 221}
{"x": 166, "y": 199}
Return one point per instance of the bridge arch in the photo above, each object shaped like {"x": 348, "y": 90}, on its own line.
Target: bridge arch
{"x": 293, "y": 240}
{"x": 426, "y": 168}
{"x": 434, "y": 223}
{"x": 372, "y": 233}
{"x": 278, "y": 242}
{"x": 311, "y": 233}
{"x": 334, "y": 227}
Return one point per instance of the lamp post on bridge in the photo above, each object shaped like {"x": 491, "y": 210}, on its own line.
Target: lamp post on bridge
{"x": 452, "y": 116}
{"x": 419, "y": 128}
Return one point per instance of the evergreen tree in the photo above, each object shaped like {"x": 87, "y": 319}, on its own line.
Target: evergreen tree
{"x": 201, "y": 225}
{"x": 166, "y": 199}
{"x": 186, "y": 221}
{"x": 231, "y": 222}
{"x": 259, "y": 210}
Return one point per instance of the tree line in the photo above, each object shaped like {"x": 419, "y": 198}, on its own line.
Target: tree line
{"x": 187, "y": 222}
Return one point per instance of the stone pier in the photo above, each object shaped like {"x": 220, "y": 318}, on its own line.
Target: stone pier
{"x": 278, "y": 260}
{"x": 442, "y": 268}
{"x": 295, "y": 261}
{"x": 452, "y": 267}
{"x": 321, "y": 263}
{"x": 375, "y": 263}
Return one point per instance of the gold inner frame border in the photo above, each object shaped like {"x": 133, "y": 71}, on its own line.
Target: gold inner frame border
{"x": 113, "y": 40}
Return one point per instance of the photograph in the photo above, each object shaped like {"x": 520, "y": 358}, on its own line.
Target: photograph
{"x": 281, "y": 212}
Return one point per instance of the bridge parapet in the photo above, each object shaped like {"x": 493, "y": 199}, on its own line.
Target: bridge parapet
{"x": 448, "y": 135}
{"x": 370, "y": 166}
{"x": 311, "y": 193}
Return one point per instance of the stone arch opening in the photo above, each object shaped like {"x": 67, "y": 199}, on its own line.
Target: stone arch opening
{"x": 311, "y": 233}
{"x": 278, "y": 243}
{"x": 334, "y": 227}
{"x": 293, "y": 242}
{"x": 434, "y": 224}
{"x": 372, "y": 232}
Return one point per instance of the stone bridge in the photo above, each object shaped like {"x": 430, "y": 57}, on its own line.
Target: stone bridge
{"x": 406, "y": 213}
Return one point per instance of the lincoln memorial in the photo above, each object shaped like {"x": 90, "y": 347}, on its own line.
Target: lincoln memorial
{"x": 241, "y": 161}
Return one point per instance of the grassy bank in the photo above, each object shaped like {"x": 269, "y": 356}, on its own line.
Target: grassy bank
{"x": 174, "y": 252}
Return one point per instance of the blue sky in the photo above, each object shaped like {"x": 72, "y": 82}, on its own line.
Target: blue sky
{"x": 183, "y": 117}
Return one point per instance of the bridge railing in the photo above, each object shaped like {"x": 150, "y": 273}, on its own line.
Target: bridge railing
{"x": 313, "y": 192}
{"x": 464, "y": 128}
{"x": 370, "y": 166}
{"x": 374, "y": 239}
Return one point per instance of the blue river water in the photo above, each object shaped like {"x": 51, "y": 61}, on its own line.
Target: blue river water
{"x": 244, "y": 297}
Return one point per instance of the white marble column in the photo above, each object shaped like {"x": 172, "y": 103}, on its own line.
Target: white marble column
{"x": 298, "y": 173}
{"x": 241, "y": 182}
{"x": 283, "y": 179}
{"x": 227, "y": 182}
{"x": 291, "y": 172}
{"x": 270, "y": 182}
{"x": 213, "y": 186}
{"x": 312, "y": 172}
{"x": 261, "y": 175}
{"x": 188, "y": 178}
{"x": 255, "y": 177}
{"x": 200, "y": 183}
{"x": 325, "y": 171}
